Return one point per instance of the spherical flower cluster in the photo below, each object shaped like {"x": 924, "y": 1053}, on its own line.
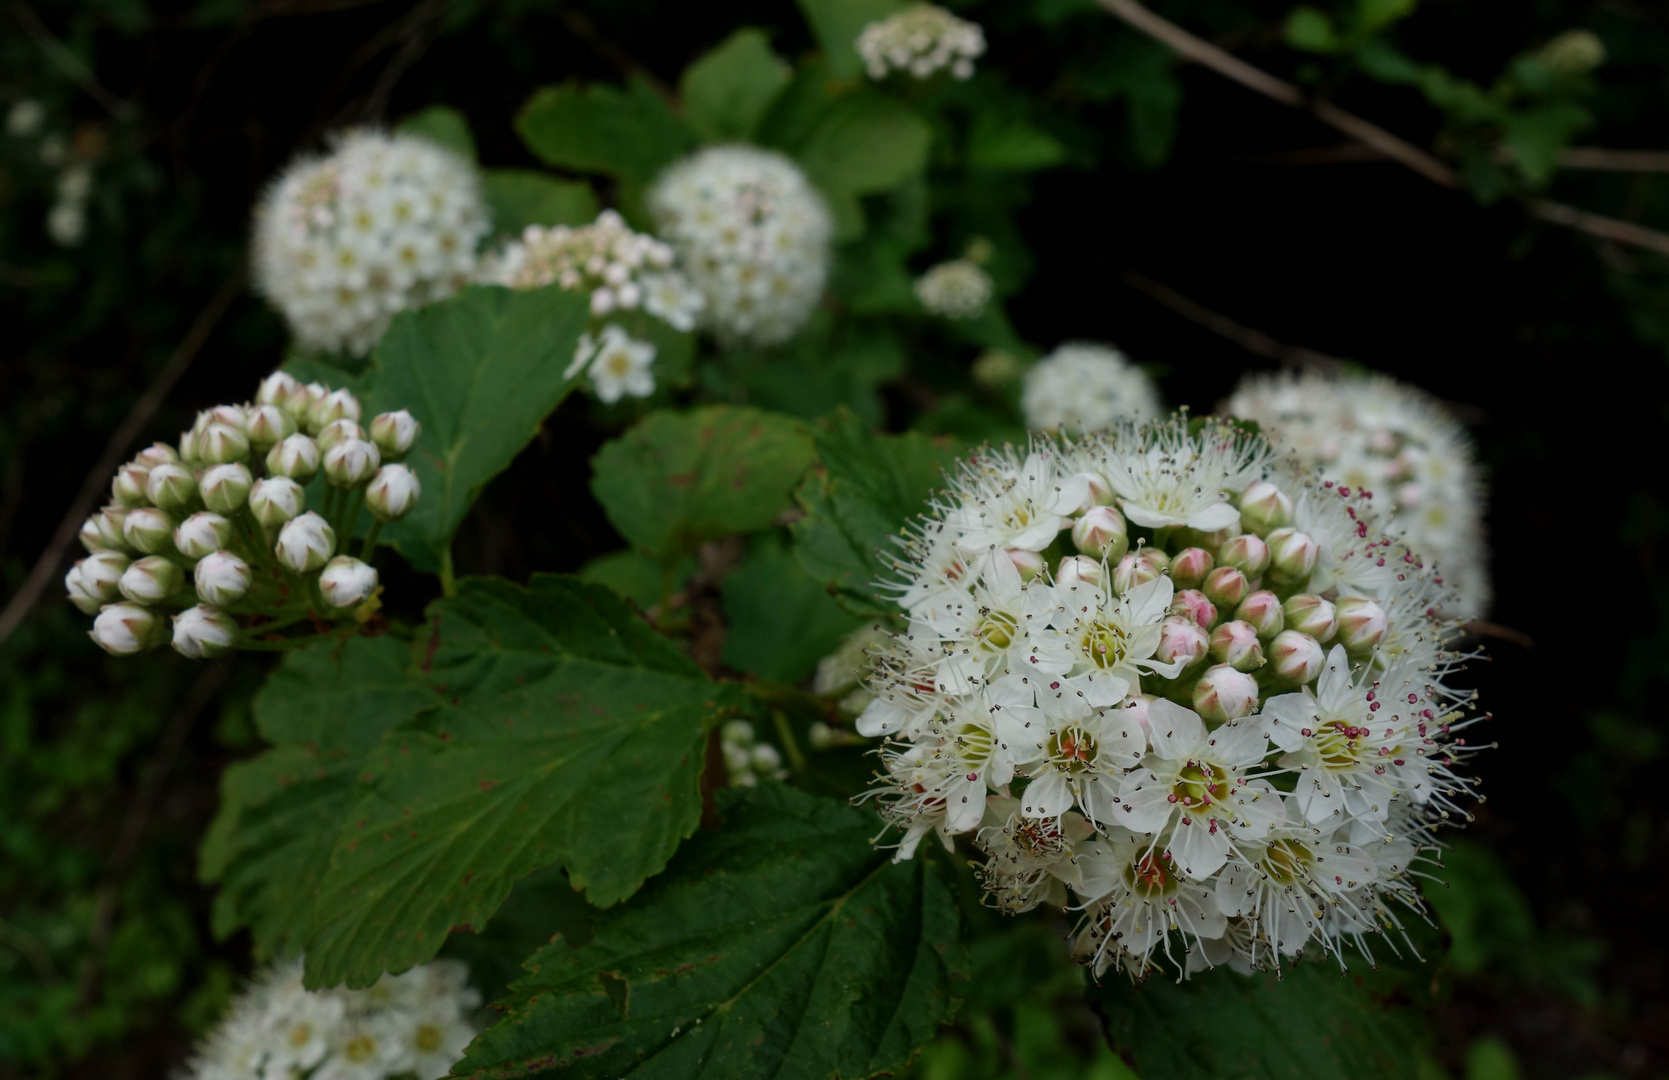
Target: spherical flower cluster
{"x": 220, "y": 527}
{"x": 1218, "y": 728}
{"x": 624, "y": 273}
{"x": 752, "y": 234}
{"x": 1083, "y": 387}
{"x": 384, "y": 223}
{"x": 1373, "y": 433}
{"x": 921, "y": 40}
{"x": 746, "y": 759}
{"x": 957, "y": 289}
{"x": 413, "y": 1024}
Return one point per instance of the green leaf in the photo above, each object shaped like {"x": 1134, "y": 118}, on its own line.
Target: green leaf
{"x": 324, "y": 707}
{"x": 443, "y": 126}
{"x": 865, "y": 142}
{"x": 728, "y": 91}
{"x": 480, "y": 372}
{"x": 631, "y": 134}
{"x": 678, "y": 480}
{"x": 837, "y": 24}
{"x": 1011, "y": 143}
{"x": 782, "y": 946}
{"x": 868, "y": 488}
{"x": 571, "y": 733}
{"x": 523, "y": 197}
{"x": 1311, "y": 30}
{"x": 780, "y": 621}
{"x": 635, "y": 576}
{"x": 1537, "y": 136}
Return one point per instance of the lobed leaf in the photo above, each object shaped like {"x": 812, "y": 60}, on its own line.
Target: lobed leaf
{"x": 728, "y": 91}
{"x": 863, "y": 143}
{"x": 630, "y": 133}
{"x": 780, "y": 621}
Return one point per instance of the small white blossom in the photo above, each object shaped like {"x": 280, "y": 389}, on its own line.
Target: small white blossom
{"x": 1084, "y": 387}
{"x": 921, "y": 40}
{"x": 620, "y": 367}
{"x": 957, "y": 289}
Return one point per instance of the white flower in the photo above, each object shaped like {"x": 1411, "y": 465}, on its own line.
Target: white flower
{"x": 1285, "y": 885}
{"x": 125, "y": 629}
{"x": 1181, "y": 479}
{"x": 346, "y": 582}
{"x": 201, "y": 632}
{"x": 221, "y": 578}
{"x": 381, "y": 224}
{"x": 1032, "y": 859}
{"x": 1009, "y": 503}
{"x": 621, "y": 366}
{"x": 921, "y": 40}
{"x": 1087, "y": 387}
{"x": 751, "y": 234}
{"x": 957, "y": 289}
{"x": 1137, "y": 902}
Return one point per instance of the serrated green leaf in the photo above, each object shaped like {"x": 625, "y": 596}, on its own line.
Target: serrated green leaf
{"x": 728, "y": 91}
{"x": 523, "y": 197}
{"x": 627, "y": 133}
{"x": 837, "y": 24}
{"x": 865, "y": 142}
{"x": 782, "y": 946}
{"x": 442, "y": 125}
{"x": 570, "y": 733}
{"x": 779, "y": 621}
{"x": 677, "y": 480}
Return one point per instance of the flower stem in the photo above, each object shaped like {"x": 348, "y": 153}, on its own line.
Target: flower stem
{"x": 796, "y": 759}
{"x": 356, "y": 500}
{"x": 448, "y": 581}
{"x": 367, "y": 549}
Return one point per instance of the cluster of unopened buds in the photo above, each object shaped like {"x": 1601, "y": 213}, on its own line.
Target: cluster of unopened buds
{"x": 1164, "y": 681}
{"x": 219, "y": 525}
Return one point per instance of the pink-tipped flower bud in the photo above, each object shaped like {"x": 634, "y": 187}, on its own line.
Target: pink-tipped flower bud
{"x": 128, "y": 486}
{"x": 225, "y": 488}
{"x": 1136, "y": 706}
{"x": 221, "y": 578}
{"x": 1262, "y": 610}
{"x": 1224, "y": 694}
{"x": 233, "y": 416}
{"x": 1100, "y": 493}
{"x": 148, "y": 530}
{"x": 156, "y": 454}
{"x": 220, "y": 443}
{"x": 1193, "y": 604}
{"x": 345, "y": 581}
{"x": 338, "y": 431}
{"x": 101, "y": 575}
{"x": 276, "y": 388}
{"x": 276, "y": 500}
{"x": 1236, "y": 644}
{"x": 1211, "y": 541}
{"x": 80, "y": 593}
{"x": 151, "y": 580}
{"x": 1029, "y": 563}
{"x": 1264, "y": 508}
{"x": 305, "y": 543}
{"x": 1292, "y": 555}
{"x": 335, "y": 405}
{"x": 1075, "y": 568}
{"x": 1139, "y": 568}
{"x": 1246, "y": 553}
{"x": 393, "y": 492}
{"x": 300, "y": 401}
{"x": 1101, "y": 532}
{"x": 202, "y": 534}
{"x": 90, "y": 537}
{"x": 1362, "y": 624}
{"x": 171, "y": 486}
{"x": 268, "y": 426}
{"x": 351, "y": 462}
{"x": 1190, "y": 566}
{"x": 203, "y": 632}
{"x": 1309, "y": 614}
{"x": 110, "y": 523}
{"x": 1226, "y": 587}
{"x": 1180, "y": 638}
{"x": 1295, "y": 659}
{"x": 125, "y": 629}
{"x": 395, "y": 433}
{"x": 296, "y": 457}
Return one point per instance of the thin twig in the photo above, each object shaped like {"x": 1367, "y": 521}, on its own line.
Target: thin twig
{"x": 70, "y": 63}
{"x": 99, "y": 477}
{"x": 1252, "y": 340}
{"x": 583, "y": 28}
{"x": 417, "y": 33}
{"x": 1499, "y": 632}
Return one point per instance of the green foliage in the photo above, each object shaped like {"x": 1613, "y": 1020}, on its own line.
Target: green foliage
{"x": 837, "y": 24}
{"x": 523, "y": 197}
{"x": 443, "y": 126}
{"x": 781, "y": 621}
{"x": 727, "y": 92}
{"x": 630, "y": 134}
{"x": 783, "y": 945}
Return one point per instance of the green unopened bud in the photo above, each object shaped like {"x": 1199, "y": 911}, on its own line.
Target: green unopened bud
{"x": 188, "y": 448}
{"x": 1309, "y": 614}
{"x": 1262, "y": 610}
{"x": 222, "y": 578}
{"x": 300, "y": 401}
{"x": 296, "y": 457}
{"x": 1246, "y": 553}
{"x": 148, "y": 530}
{"x": 128, "y": 486}
{"x": 151, "y": 580}
{"x": 268, "y": 426}
{"x": 1227, "y": 587}
{"x": 76, "y": 588}
{"x": 109, "y": 522}
{"x": 126, "y": 629}
{"x": 346, "y": 582}
{"x": 1190, "y": 566}
{"x": 202, "y": 632}
{"x": 219, "y": 444}
{"x": 1362, "y": 624}
{"x": 1028, "y": 563}
{"x": 276, "y": 389}
{"x": 395, "y": 433}
{"x": 1101, "y": 532}
{"x": 1236, "y": 644}
{"x": 96, "y": 580}
{"x": 156, "y": 454}
{"x": 1295, "y": 659}
{"x": 202, "y": 533}
{"x": 235, "y": 417}
{"x": 392, "y": 492}
{"x": 335, "y": 405}
{"x": 338, "y": 431}
{"x": 89, "y": 535}
{"x": 225, "y": 488}
{"x": 171, "y": 486}
{"x": 275, "y": 500}
{"x": 1292, "y": 555}
{"x": 1224, "y": 694}
{"x": 351, "y": 463}
{"x": 1264, "y": 508}
{"x": 306, "y": 543}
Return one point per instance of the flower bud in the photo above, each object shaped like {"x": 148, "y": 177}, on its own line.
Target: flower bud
{"x": 393, "y": 492}
{"x": 297, "y": 457}
{"x": 1210, "y": 541}
{"x": 188, "y": 448}
{"x": 233, "y": 416}
{"x": 1295, "y": 659}
{"x": 201, "y": 534}
{"x": 268, "y": 426}
{"x": 1264, "y": 508}
{"x": 1180, "y": 638}
{"x": 222, "y": 443}
{"x": 345, "y": 581}
{"x": 1245, "y": 553}
{"x": 148, "y": 529}
{"x": 1227, "y": 587}
{"x": 305, "y": 543}
{"x": 1139, "y": 568}
{"x": 99, "y": 577}
{"x": 396, "y": 432}
{"x": 338, "y": 431}
{"x": 1224, "y": 694}
{"x": 125, "y": 629}
{"x": 1101, "y": 532}
{"x": 1262, "y": 610}
{"x": 203, "y": 632}
{"x": 110, "y": 522}
{"x": 1236, "y": 644}
{"x": 1100, "y": 492}
{"x": 1309, "y": 614}
{"x": 765, "y": 758}
{"x": 1074, "y": 568}
{"x": 80, "y": 593}
{"x": 225, "y": 488}
{"x": 156, "y": 454}
{"x": 151, "y": 580}
{"x": 128, "y": 486}
{"x": 1292, "y": 555}
{"x": 1190, "y": 566}
{"x": 351, "y": 462}
{"x": 171, "y": 486}
{"x": 301, "y": 399}
{"x": 90, "y": 537}
{"x": 334, "y": 405}
{"x": 1135, "y": 707}
{"x": 276, "y": 500}
{"x": 1029, "y": 563}
{"x": 276, "y": 389}
{"x": 1193, "y": 604}
{"x": 221, "y": 578}
{"x": 1362, "y": 624}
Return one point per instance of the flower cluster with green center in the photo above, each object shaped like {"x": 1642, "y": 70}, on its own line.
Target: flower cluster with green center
{"x": 219, "y": 526}
{"x": 1164, "y": 681}
{"x": 415, "y": 1024}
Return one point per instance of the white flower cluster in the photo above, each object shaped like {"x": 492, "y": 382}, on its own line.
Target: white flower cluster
{"x": 957, "y": 289}
{"x": 752, "y": 234}
{"x": 66, "y": 222}
{"x": 414, "y": 1024}
{"x": 1369, "y": 431}
{"x": 921, "y": 40}
{"x": 1219, "y": 729}
{"x": 1082, "y": 386}
{"x": 382, "y": 224}
{"x": 746, "y": 759}
{"x": 623, "y": 272}
{"x": 220, "y": 528}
